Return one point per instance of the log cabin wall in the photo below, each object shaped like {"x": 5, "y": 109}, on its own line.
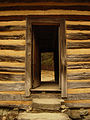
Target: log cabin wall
{"x": 78, "y": 62}
{"x": 12, "y": 63}
{"x": 12, "y": 48}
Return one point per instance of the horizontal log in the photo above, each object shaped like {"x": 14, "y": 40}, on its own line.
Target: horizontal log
{"x": 12, "y": 64}
{"x": 74, "y": 85}
{"x": 11, "y": 59}
{"x": 40, "y": 1}
{"x": 79, "y": 91}
{"x": 13, "y": 97}
{"x": 12, "y": 87}
{"x": 12, "y": 42}
{"x": 39, "y": 7}
{"x": 78, "y": 105}
{"x": 20, "y": 53}
{"x": 12, "y": 47}
{"x": 12, "y": 77}
{"x": 13, "y": 32}
{"x": 81, "y": 96}
{"x": 14, "y": 37}
{"x": 13, "y": 23}
{"x": 78, "y": 45}
{"x": 81, "y": 23}
{"x": 79, "y": 66}
{"x": 78, "y": 76}
{"x": 67, "y": 17}
{"x": 13, "y": 104}
{"x": 78, "y": 58}
{"x": 78, "y": 27}
{"x": 12, "y": 28}
{"x": 78, "y": 51}
{"x": 44, "y": 12}
{"x": 78, "y": 36}
{"x": 11, "y": 69}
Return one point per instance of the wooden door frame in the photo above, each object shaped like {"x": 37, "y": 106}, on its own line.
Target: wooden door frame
{"x": 62, "y": 48}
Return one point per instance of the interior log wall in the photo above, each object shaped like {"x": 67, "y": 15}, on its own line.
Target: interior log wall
{"x": 12, "y": 49}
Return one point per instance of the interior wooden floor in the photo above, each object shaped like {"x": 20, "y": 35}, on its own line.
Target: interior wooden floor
{"x": 47, "y": 86}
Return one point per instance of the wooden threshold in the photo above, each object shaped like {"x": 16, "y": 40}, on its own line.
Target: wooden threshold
{"x": 48, "y": 87}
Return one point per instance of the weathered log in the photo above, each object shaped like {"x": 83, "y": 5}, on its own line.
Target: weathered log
{"x": 78, "y": 27}
{"x": 14, "y": 37}
{"x": 79, "y": 66}
{"x": 13, "y": 97}
{"x": 11, "y": 77}
{"x": 12, "y": 47}
{"x": 78, "y": 36}
{"x": 12, "y": 86}
{"x": 67, "y": 17}
{"x": 35, "y": 1}
{"x": 12, "y": 28}
{"x": 39, "y": 7}
{"x": 12, "y": 69}
{"x": 78, "y": 104}
{"x": 12, "y": 59}
{"x": 81, "y": 96}
{"x": 78, "y": 58}
{"x": 78, "y": 76}
{"x": 78, "y": 85}
{"x": 78, "y": 45}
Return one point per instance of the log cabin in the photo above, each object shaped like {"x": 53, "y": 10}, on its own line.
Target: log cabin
{"x": 29, "y": 27}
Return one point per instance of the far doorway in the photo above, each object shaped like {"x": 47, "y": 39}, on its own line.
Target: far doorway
{"x": 45, "y": 57}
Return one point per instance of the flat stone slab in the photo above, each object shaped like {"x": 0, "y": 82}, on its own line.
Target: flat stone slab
{"x": 47, "y": 104}
{"x": 43, "y": 116}
{"x": 47, "y": 101}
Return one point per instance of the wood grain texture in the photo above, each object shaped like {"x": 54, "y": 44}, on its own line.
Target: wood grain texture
{"x": 12, "y": 69}
{"x": 74, "y": 85}
{"x": 12, "y": 87}
{"x": 12, "y": 53}
{"x": 77, "y": 22}
{"x": 13, "y": 23}
{"x": 67, "y": 17}
{"x": 14, "y": 37}
{"x": 79, "y": 66}
{"x": 43, "y": 12}
{"x": 13, "y": 97}
{"x": 78, "y": 27}
{"x": 78, "y": 36}
{"x": 79, "y": 90}
{"x": 80, "y": 96}
{"x": 12, "y": 47}
{"x": 12, "y": 42}
{"x": 76, "y": 104}
{"x": 78, "y": 76}
{"x": 78, "y": 45}
{"x": 45, "y": 7}
{"x": 78, "y": 58}
{"x": 12, "y": 64}
{"x": 19, "y": 104}
{"x": 12, "y": 28}
{"x": 78, "y": 51}
{"x": 12, "y": 59}
{"x": 12, "y": 77}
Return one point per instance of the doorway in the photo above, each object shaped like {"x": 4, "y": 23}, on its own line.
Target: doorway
{"x": 45, "y": 35}
{"x": 45, "y": 57}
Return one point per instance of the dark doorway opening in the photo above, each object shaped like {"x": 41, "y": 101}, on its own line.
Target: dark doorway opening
{"x": 45, "y": 56}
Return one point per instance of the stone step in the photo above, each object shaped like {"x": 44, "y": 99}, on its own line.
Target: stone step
{"x": 47, "y": 103}
{"x": 43, "y": 116}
